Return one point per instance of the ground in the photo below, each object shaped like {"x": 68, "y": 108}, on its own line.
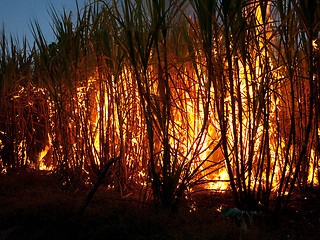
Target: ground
{"x": 33, "y": 206}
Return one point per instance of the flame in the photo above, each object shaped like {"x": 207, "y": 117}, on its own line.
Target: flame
{"x": 221, "y": 183}
{"x": 42, "y": 165}
{"x": 188, "y": 115}
{"x": 313, "y": 170}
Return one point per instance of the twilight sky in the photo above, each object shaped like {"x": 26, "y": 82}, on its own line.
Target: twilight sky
{"x": 16, "y": 15}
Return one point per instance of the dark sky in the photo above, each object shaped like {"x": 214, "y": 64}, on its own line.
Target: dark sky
{"x": 15, "y": 15}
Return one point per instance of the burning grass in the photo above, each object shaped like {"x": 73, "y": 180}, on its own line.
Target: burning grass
{"x": 33, "y": 206}
{"x": 188, "y": 94}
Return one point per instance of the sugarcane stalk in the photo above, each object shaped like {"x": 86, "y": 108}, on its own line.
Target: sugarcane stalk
{"x": 96, "y": 185}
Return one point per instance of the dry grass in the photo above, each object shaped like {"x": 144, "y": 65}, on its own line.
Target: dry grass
{"x": 232, "y": 87}
{"x": 34, "y": 207}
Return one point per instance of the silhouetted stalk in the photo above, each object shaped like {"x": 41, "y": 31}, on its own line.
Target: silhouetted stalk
{"x": 175, "y": 97}
{"x": 306, "y": 9}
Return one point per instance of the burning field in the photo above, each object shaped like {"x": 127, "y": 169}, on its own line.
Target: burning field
{"x": 206, "y": 105}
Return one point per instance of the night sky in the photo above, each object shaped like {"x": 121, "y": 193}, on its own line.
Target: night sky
{"x": 16, "y": 15}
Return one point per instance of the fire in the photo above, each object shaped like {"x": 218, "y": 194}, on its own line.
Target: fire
{"x": 221, "y": 183}
{"x": 45, "y": 159}
{"x": 225, "y": 127}
{"x": 42, "y": 164}
{"x": 313, "y": 170}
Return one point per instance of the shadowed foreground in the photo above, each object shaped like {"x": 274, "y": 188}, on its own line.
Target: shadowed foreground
{"x": 34, "y": 207}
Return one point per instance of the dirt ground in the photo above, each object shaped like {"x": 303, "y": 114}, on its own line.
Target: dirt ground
{"x": 33, "y": 206}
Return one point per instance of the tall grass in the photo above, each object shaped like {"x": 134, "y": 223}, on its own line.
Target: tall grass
{"x": 251, "y": 92}
{"x": 180, "y": 90}
{"x": 23, "y": 106}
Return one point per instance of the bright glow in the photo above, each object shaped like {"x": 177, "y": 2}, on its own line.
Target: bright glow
{"x": 42, "y": 164}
